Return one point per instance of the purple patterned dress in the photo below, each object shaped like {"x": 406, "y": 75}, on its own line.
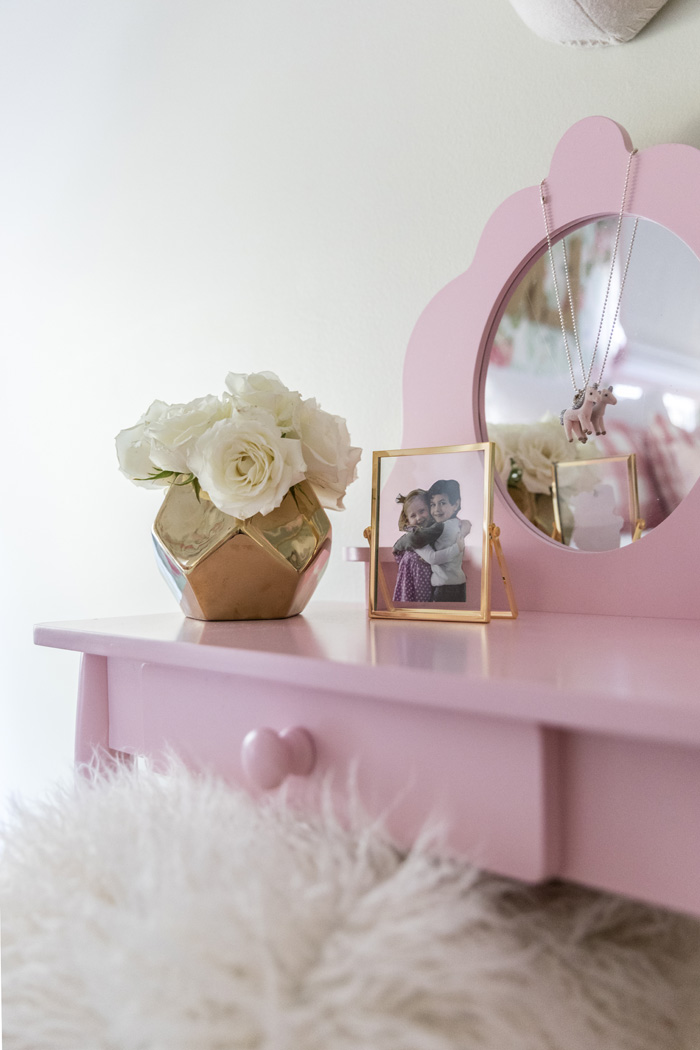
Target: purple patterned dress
{"x": 413, "y": 578}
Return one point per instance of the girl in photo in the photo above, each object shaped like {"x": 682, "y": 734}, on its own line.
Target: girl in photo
{"x": 413, "y": 577}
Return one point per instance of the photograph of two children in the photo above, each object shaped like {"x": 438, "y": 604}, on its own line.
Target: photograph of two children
{"x": 431, "y": 511}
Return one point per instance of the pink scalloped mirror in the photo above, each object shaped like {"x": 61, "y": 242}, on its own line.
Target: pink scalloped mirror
{"x": 633, "y": 332}
{"x": 515, "y": 353}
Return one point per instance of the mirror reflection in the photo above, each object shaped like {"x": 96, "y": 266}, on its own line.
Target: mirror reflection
{"x": 636, "y": 366}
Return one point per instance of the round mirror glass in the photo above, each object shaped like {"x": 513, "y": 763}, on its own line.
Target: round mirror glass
{"x": 616, "y": 466}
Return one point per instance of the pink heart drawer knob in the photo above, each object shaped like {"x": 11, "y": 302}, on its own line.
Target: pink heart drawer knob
{"x": 269, "y": 757}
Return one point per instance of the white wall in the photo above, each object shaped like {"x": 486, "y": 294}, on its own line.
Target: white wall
{"x": 190, "y": 187}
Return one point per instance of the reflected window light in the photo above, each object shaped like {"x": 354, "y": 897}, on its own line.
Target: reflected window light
{"x": 681, "y": 411}
{"x": 631, "y": 393}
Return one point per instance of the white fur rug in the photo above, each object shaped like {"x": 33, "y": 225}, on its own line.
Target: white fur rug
{"x": 173, "y": 913}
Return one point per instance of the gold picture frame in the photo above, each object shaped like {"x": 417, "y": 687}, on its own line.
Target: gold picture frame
{"x": 637, "y": 524}
{"x": 426, "y": 585}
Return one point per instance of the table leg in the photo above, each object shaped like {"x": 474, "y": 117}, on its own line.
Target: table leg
{"x": 92, "y": 750}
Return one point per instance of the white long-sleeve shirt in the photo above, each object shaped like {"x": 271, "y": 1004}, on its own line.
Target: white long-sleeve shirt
{"x": 446, "y": 558}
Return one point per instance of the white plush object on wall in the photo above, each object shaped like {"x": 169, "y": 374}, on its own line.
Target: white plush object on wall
{"x": 587, "y": 23}
{"x": 173, "y": 913}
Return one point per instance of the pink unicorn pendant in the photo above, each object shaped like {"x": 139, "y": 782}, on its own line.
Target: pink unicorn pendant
{"x": 607, "y": 398}
{"x": 578, "y": 422}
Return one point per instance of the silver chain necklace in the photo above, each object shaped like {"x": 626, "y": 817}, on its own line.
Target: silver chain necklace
{"x": 580, "y": 392}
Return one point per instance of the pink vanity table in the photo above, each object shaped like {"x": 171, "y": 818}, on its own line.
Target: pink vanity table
{"x": 564, "y": 743}
{"x": 551, "y": 745}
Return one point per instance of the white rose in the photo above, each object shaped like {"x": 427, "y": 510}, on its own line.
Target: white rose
{"x": 176, "y": 429}
{"x": 540, "y": 445}
{"x": 505, "y": 438}
{"x": 245, "y": 465}
{"x": 331, "y": 461}
{"x": 264, "y": 390}
{"x": 134, "y": 449}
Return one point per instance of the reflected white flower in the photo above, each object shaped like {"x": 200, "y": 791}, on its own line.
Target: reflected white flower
{"x": 532, "y": 448}
{"x": 539, "y": 445}
{"x": 505, "y": 438}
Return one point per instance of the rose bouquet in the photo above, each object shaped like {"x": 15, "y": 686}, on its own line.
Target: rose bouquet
{"x": 524, "y": 456}
{"x": 243, "y": 450}
{"x": 525, "y": 452}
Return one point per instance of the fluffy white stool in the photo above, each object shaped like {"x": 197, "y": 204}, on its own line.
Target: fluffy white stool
{"x": 144, "y": 912}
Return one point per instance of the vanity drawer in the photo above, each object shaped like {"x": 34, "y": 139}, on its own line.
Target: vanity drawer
{"x": 482, "y": 780}
{"x": 631, "y": 814}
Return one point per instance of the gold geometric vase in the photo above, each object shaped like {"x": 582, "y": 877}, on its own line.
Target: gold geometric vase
{"x": 223, "y": 568}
